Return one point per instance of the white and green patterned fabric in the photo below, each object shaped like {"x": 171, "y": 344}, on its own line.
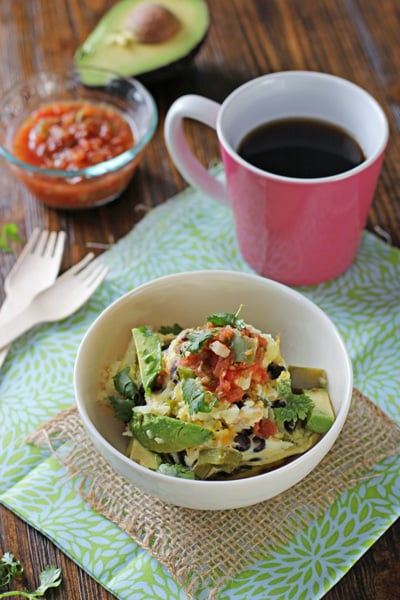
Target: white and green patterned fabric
{"x": 186, "y": 233}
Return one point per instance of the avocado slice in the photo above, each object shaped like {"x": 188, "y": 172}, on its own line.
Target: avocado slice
{"x": 112, "y": 44}
{"x": 322, "y": 416}
{"x": 149, "y": 355}
{"x": 214, "y": 460}
{"x": 143, "y": 456}
{"x": 165, "y": 434}
{"x": 303, "y": 378}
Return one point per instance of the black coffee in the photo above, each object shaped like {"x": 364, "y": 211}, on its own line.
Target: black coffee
{"x": 301, "y": 147}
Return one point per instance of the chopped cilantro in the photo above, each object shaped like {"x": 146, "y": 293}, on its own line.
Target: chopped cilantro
{"x": 197, "y": 399}
{"x": 122, "y": 408}
{"x": 221, "y": 319}
{"x": 175, "y": 329}
{"x": 176, "y": 471}
{"x": 129, "y": 398}
{"x": 197, "y": 340}
{"x": 124, "y": 384}
{"x": 297, "y": 406}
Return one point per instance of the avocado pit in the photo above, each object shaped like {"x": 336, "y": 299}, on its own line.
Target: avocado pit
{"x": 152, "y": 23}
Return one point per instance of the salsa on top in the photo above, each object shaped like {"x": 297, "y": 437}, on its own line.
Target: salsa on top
{"x": 72, "y": 135}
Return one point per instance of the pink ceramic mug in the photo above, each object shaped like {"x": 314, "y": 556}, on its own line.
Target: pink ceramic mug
{"x": 297, "y": 231}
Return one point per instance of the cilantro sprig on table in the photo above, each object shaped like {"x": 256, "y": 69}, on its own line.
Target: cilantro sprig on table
{"x": 297, "y": 406}
{"x": 9, "y": 233}
{"x": 10, "y": 568}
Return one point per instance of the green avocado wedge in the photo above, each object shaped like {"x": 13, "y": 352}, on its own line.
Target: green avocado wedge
{"x": 148, "y": 349}
{"x": 165, "y": 434}
{"x": 322, "y": 416}
{"x": 111, "y": 45}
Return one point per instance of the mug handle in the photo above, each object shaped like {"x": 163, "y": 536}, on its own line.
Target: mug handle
{"x": 205, "y": 111}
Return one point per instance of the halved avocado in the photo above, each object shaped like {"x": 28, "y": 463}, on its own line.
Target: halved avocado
{"x": 112, "y": 44}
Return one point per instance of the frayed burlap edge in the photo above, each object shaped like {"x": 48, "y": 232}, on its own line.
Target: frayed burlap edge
{"x": 205, "y": 549}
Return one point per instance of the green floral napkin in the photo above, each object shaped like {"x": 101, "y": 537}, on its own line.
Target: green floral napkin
{"x": 186, "y": 233}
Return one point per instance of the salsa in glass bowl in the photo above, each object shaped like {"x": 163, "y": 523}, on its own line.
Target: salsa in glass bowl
{"x": 75, "y": 138}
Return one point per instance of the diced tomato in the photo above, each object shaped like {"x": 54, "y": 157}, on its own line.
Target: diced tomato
{"x": 222, "y": 375}
{"x": 72, "y": 135}
{"x": 259, "y": 373}
{"x": 221, "y": 366}
{"x": 265, "y": 428}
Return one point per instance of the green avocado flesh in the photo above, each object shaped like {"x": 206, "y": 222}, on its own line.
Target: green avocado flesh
{"x": 143, "y": 456}
{"x": 148, "y": 350}
{"x": 165, "y": 434}
{"x": 109, "y": 47}
{"x": 322, "y": 416}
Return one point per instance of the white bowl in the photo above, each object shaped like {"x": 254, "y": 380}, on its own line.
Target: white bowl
{"x": 308, "y": 338}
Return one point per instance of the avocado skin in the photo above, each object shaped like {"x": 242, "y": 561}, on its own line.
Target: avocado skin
{"x": 156, "y": 70}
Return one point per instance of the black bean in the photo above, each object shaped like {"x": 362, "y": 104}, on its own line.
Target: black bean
{"x": 140, "y": 399}
{"x": 173, "y": 373}
{"x": 279, "y": 403}
{"x": 275, "y": 370}
{"x": 242, "y": 441}
{"x": 182, "y": 456}
{"x": 258, "y": 444}
{"x": 290, "y": 426}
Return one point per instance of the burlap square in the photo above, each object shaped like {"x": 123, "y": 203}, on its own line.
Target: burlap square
{"x": 192, "y": 545}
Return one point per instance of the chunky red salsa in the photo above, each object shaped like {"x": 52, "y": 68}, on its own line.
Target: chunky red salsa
{"x": 72, "y": 135}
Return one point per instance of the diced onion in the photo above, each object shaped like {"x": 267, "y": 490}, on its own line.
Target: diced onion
{"x": 220, "y": 349}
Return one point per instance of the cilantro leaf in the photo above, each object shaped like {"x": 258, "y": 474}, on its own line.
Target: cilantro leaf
{"x": 9, "y": 568}
{"x": 197, "y": 340}
{"x": 223, "y": 318}
{"x": 197, "y": 399}
{"x": 175, "y": 329}
{"x": 297, "y": 406}
{"x": 8, "y": 233}
{"x": 124, "y": 384}
{"x": 176, "y": 471}
{"x": 130, "y": 396}
{"x": 122, "y": 408}
{"x": 49, "y": 578}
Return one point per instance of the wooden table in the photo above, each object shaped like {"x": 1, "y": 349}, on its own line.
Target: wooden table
{"x": 355, "y": 39}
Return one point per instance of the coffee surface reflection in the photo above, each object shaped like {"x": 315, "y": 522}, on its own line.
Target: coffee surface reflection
{"x": 301, "y": 148}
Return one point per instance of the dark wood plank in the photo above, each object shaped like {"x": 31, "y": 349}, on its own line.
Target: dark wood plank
{"x": 355, "y": 39}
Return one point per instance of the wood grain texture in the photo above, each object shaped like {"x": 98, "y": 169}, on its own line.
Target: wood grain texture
{"x": 355, "y": 39}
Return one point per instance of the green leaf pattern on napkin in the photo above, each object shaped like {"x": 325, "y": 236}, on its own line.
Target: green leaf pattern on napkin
{"x": 191, "y": 232}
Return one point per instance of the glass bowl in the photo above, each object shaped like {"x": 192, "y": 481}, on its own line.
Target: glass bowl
{"x": 95, "y": 184}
